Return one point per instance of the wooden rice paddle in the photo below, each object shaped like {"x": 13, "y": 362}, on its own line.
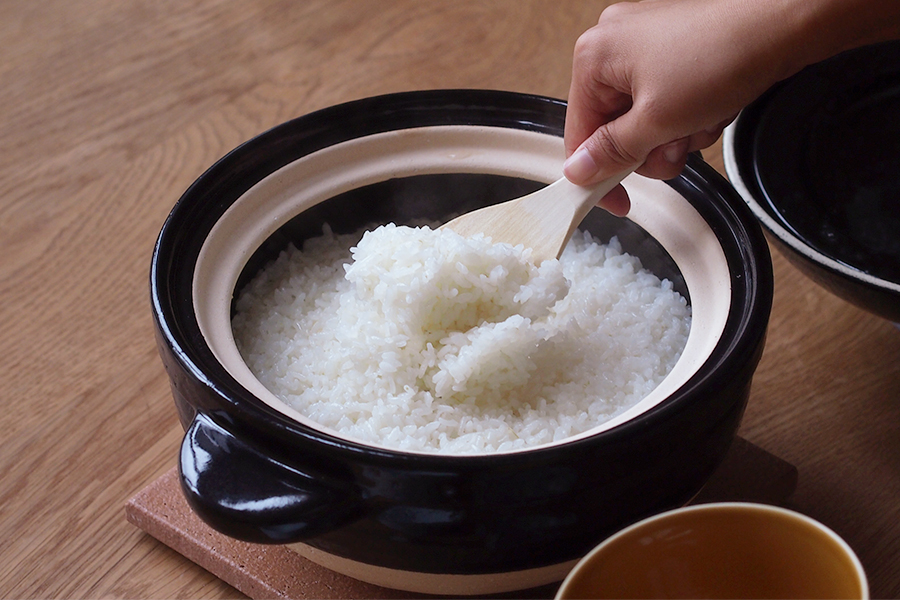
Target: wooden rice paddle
{"x": 543, "y": 221}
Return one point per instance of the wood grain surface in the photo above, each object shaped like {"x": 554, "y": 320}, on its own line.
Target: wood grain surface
{"x": 108, "y": 111}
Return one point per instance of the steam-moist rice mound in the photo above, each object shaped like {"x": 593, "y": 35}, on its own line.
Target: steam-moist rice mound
{"x": 428, "y": 341}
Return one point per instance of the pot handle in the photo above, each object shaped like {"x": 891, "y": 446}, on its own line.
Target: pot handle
{"x": 246, "y": 494}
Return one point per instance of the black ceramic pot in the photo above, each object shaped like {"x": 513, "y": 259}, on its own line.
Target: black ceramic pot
{"x": 255, "y": 470}
{"x": 817, "y": 159}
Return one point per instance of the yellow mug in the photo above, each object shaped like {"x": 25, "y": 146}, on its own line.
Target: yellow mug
{"x": 724, "y": 550}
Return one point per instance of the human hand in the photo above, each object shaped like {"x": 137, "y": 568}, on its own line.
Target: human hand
{"x": 657, "y": 79}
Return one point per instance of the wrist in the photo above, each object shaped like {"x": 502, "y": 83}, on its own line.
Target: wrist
{"x": 824, "y": 28}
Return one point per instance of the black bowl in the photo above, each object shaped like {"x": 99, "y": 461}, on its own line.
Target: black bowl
{"x": 255, "y": 470}
{"x": 817, "y": 159}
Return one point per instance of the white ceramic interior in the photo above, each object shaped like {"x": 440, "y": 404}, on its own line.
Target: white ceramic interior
{"x": 258, "y": 213}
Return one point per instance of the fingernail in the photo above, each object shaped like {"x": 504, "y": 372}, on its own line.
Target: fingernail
{"x": 674, "y": 152}
{"x": 580, "y": 166}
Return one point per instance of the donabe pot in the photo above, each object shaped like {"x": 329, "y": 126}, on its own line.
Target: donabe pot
{"x": 255, "y": 469}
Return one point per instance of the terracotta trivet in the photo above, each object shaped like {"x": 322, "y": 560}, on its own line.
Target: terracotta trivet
{"x": 748, "y": 474}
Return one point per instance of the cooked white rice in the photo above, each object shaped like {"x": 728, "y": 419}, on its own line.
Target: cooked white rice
{"x": 427, "y": 341}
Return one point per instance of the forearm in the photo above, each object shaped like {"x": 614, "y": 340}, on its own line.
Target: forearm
{"x": 840, "y": 25}
{"x": 808, "y": 31}
{"x": 657, "y": 79}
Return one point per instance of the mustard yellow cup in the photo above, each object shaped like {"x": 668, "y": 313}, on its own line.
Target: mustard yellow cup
{"x": 724, "y": 550}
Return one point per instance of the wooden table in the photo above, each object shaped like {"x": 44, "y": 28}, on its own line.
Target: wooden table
{"x": 108, "y": 111}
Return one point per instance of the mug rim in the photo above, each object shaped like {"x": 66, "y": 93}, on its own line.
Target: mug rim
{"x": 718, "y": 507}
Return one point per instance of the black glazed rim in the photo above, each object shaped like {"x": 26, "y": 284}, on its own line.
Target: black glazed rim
{"x": 800, "y": 103}
{"x": 195, "y": 213}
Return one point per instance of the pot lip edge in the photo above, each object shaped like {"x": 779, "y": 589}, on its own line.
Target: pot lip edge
{"x": 217, "y": 388}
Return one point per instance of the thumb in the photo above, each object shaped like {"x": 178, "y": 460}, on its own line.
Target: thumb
{"x": 611, "y": 149}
